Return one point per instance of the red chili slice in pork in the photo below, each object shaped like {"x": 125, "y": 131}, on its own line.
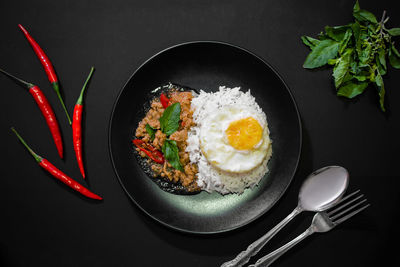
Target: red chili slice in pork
{"x": 149, "y": 150}
{"x": 164, "y": 100}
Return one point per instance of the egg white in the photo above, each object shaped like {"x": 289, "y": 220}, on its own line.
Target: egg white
{"x": 216, "y": 148}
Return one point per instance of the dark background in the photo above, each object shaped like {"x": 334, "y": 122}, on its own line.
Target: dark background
{"x": 45, "y": 224}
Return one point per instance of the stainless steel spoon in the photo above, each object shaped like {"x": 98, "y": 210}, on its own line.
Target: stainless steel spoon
{"x": 321, "y": 190}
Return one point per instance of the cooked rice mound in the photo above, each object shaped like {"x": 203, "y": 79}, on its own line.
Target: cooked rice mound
{"x": 209, "y": 177}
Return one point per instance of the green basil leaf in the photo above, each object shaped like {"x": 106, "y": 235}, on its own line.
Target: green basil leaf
{"x": 372, "y": 75}
{"x": 363, "y": 15}
{"x": 394, "y": 57}
{"x": 354, "y": 69}
{"x": 337, "y": 33}
{"x": 358, "y": 68}
{"x": 363, "y": 65}
{"x": 395, "y": 51}
{"x": 344, "y": 42}
{"x": 360, "y": 78}
{"x": 333, "y": 61}
{"x": 365, "y": 54}
{"x": 151, "y": 131}
{"x": 169, "y": 121}
{"x": 347, "y": 77}
{"x": 356, "y": 30}
{"x": 309, "y": 41}
{"x": 382, "y": 57}
{"x": 352, "y": 89}
{"x": 323, "y": 36}
{"x": 394, "y": 31}
{"x": 381, "y": 88}
{"x": 340, "y": 70}
{"x": 381, "y": 61}
{"x": 372, "y": 30}
{"x": 319, "y": 56}
{"x": 171, "y": 154}
{"x": 361, "y": 40}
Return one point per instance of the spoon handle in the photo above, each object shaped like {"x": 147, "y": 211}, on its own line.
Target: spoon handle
{"x": 243, "y": 257}
{"x": 273, "y": 256}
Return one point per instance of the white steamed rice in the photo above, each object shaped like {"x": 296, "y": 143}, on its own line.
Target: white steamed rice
{"x": 210, "y": 178}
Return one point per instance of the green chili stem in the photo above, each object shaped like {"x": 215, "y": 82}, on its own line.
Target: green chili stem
{"x": 80, "y": 99}
{"x": 36, "y": 156}
{"x": 56, "y": 88}
{"x": 17, "y": 80}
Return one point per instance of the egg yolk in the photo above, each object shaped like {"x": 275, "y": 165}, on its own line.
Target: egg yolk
{"x": 244, "y": 134}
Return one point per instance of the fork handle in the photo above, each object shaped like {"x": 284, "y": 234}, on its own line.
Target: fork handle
{"x": 243, "y": 257}
{"x": 267, "y": 260}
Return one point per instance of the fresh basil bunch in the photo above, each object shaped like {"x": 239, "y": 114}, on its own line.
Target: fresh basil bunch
{"x": 357, "y": 51}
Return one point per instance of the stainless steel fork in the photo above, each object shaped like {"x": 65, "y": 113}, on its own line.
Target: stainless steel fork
{"x": 322, "y": 222}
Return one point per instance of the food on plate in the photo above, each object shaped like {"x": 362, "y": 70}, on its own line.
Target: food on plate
{"x": 163, "y": 134}
{"x": 230, "y": 140}
{"x": 234, "y": 138}
{"x": 204, "y": 141}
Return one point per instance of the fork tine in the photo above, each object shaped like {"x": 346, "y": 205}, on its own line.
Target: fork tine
{"x": 345, "y": 204}
{"x": 348, "y": 196}
{"x": 347, "y": 210}
{"x": 351, "y": 214}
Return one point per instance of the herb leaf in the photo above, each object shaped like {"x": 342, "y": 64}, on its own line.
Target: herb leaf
{"x": 170, "y": 151}
{"x": 344, "y": 42}
{"x": 337, "y": 33}
{"x": 381, "y": 88}
{"x": 365, "y": 54}
{"x": 309, "y": 41}
{"x": 151, "y": 131}
{"x": 381, "y": 61}
{"x": 340, "y": 70}
{"x": 363, "y": 15}
{"x": 394, "y": 31}
{"x": 169, "y": 121}
{"x": 352, "y": 89}
{"x": 319, "y": 56}
{"x": 394, "y": 57}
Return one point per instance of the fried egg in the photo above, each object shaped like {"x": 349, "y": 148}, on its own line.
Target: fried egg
{"x": 235, "y": 138}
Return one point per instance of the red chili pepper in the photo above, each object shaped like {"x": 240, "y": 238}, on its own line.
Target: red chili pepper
{"x": 164, "y": 100}
{"x": 45, "y": 108}
{"x": 59, "y": 175}
{"x": 48, "y": 67}
{"x": 149, "y": 150}
{"x": 77, "y": 126}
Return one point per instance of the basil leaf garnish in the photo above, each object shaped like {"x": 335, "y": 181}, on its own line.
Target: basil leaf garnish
{"x": 169, "y": 121}
{"x": 151, "y": 131}
{"x": 170, "y": 151}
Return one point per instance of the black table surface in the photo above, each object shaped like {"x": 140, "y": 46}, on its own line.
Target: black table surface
{"x": 46, "y": 224}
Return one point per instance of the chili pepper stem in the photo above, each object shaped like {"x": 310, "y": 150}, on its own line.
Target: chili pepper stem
{"x": 36, "y": 156}
{"x": 80, "y": 99}
{"x": 56, "y": 88}
{"x": 17, "y": 80}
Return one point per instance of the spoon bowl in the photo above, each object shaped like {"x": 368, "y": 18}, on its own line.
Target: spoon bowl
{"x": 323, "y": 188}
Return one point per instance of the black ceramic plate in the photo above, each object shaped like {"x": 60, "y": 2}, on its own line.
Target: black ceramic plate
{"x": 206, "y": 66}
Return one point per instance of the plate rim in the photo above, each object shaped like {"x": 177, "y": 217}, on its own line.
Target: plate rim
{"x": 224, "y": 44}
